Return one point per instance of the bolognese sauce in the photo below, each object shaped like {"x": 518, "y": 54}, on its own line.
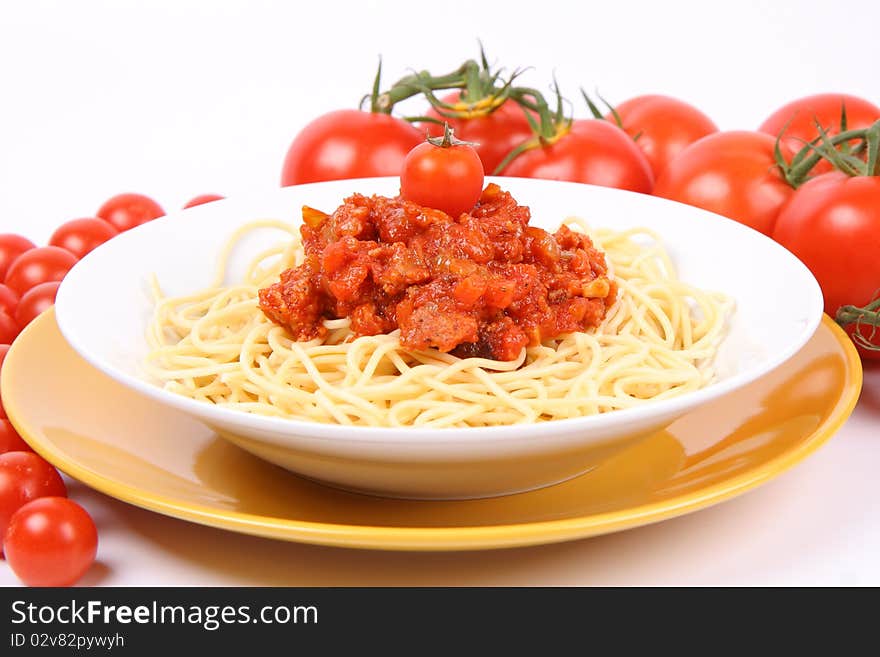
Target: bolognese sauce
{"x": 484, "y": 284}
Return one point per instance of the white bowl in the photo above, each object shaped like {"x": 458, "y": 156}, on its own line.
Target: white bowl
{"x": 103, "y": 308}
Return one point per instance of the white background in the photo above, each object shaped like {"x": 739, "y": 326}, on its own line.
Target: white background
{"x": 175, "y": 99}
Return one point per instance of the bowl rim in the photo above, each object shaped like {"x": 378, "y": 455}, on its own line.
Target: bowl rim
{"x": 290, "y": 427}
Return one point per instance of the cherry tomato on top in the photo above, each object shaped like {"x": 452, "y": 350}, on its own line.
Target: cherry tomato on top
{"x": 40, "y": 265}
{"x": 349, "y": 144}
{"x": 125, "y": 211}
{"x": 51, "y": 541}
{"x": 10, "y": 441}
{"x": 443, "y": 173}
{"x": 831, "y": 224}
{"x": 12, "y": 246}
{"x": 798, "y": 120}
{"x": 664, "y": 126}
{"x": 25, "y": 476}
{"x": 202, "y": 199}
{"x": 594, "y": 152}
{"x": 731, "y": 173}
{"x": 35, "y": 301}
{"x": 494, "y": 135}
{"x": 80, "y": 236}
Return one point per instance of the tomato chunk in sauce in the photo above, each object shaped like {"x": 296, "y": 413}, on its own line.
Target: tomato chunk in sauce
{"x": 482, "y": 284}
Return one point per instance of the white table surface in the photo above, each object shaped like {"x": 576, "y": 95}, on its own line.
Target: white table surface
{"x": 175, "y": 99}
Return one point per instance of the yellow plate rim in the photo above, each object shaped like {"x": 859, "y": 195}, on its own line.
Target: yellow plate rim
{"x": 457, "y": 538}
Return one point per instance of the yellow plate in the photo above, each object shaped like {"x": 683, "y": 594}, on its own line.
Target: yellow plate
{"x": 138, "y": 451}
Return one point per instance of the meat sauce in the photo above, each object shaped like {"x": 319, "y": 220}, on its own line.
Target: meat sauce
{"x": 483, "y": 284}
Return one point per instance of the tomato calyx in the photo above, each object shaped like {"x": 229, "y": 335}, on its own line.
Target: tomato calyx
{"x": 861, "y": 159}
{"x": 448, "y": 139}
{"x": 866, "y": 316}
{"x": 550, "y": 126}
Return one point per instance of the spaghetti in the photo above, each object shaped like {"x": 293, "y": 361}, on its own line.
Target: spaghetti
{"x": 657, "y": 341}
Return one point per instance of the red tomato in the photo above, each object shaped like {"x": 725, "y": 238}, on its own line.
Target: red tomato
{"x": 664, "y": 126}
{"x": 8, "y": 300}
{"x": 125, "y": 211}
{"x": 10, "y": 441}
{"x": 204, "y": 198}
{"x": 25, "y": 476}
{"x": 51, "y": 541}
{"x": 349, "y": 144}
{"x": 494, "y": 135}
{"x": 446, "y": 177}
{"x": 82, "y": 235}
{"x": 12, "y": 246}
{"x": 831, "y": 224}
{"x": 730, "y": 173}
{"x": 594, "y": 152}
{"x": 35, "y": 301}
{"x": 9, "y": 329}
{"x": 40, "y": 265}
{"x": 803, "y": 113}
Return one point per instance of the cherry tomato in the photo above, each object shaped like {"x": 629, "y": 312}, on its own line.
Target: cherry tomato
{"x": 12, "y": 246}
{"x": 25, "y": 476}
{"x": 594, "y": 152}
{"x": 9, "y": 328}
{"x": 831, "y": 224}
{"x": 10, "y": 441}
{"x": 443, "y": 173}
{"x": 494, "y": 135}
{"x": 8, "y": 300}
{"x": 125, "y": 211}
{"x": 798, "y": 120}
{"x": 35, "y": 301}
{"x": 82, "y": 235}
{"x": 4, "y": 349}
{"x": 349, "y": 144}
{"x": 40, "y": 265}
{"x": 200, "y": 200}
{"x": 664, "y": 126}
{"x": 51, "y": 541}
{"x": 730, "y": 173}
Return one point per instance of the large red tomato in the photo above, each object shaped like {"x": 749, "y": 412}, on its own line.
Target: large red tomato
{"x": 40, "y": 265}
{"x": 81, "y": 236}
{"x": 12, "y": 246}
{"x": 731, "y": 173}
{"x": 594, "y": 152}
{"x": 796, "y": 121}
{"x": 664, "y": 126}
{"x": 494, "y": 135}
{"x": 349, "y": 144}
{"x": 125, "y": 211}
{"x": 833, "y": 225}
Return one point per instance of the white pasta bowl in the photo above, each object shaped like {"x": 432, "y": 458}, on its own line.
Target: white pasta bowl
{"x": 104, "y": 305}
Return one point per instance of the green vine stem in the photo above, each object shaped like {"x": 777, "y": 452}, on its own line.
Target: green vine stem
{"x": 858, "y": 317}
{"x": 836, "y": 150}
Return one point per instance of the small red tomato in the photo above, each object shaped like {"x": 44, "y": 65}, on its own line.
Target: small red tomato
{"x": 51, "y": 541}
{"x": 443, "y": 173}
{"x": 80, "y": 236}
{"x": 40, "y": 265}
{"x": 10, "y": 441}
{"x": 733, "y": 174}
{"x": 204, "y": 198}
{"x": 35, "y": 301}
{"x": 593, "y": 151}
{"x": 125, "y": 211}
{"x": 494, "y": 134}
{"x": 8, "y": 300}
{"x": 25, "y": 476}
{"x": 12, "y": 246}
